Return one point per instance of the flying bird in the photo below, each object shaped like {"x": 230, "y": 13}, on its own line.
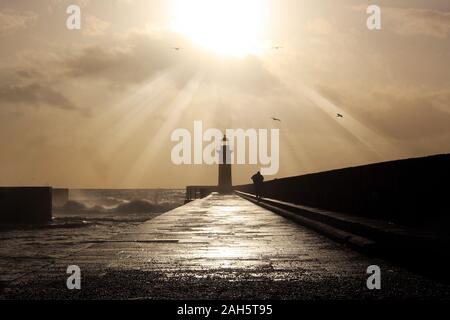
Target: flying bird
{"x": 277, "y": 47}
{"x": 276, "y": 119}
{"x": 176, "y": 48}
{"x": 339, "y": 115}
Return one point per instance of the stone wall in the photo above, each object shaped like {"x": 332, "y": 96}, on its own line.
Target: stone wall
{"x": 25, "y": 205}
{"x": 411, "y": 191}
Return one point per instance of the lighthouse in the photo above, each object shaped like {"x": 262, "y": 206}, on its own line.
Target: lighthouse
{"x": 225, "y": 184}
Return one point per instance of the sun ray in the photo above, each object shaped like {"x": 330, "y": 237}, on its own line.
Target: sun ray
{"x": 174, "y": 112}
{"x": 376, "y": 145}
{"x": 116, "y": 126}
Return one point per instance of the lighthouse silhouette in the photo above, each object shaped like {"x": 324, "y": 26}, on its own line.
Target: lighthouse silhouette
{"x": 225, "y": 183}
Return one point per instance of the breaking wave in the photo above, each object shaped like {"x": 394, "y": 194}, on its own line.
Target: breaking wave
{"x": 131, "y": 206}
{"x": 106, "y": 207}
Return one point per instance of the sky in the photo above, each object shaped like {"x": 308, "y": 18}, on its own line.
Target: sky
{"x": 95, "y": 107}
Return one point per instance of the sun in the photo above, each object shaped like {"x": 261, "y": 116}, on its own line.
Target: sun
{"x": 226, "y": 27}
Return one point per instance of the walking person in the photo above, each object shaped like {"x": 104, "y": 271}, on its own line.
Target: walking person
{"x": 258, "y": 182}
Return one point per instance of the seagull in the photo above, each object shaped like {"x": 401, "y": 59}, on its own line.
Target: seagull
{"x": 276, "y": 119}
{"x": 339, "y": 115}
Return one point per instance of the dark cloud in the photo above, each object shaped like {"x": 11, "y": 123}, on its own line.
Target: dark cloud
{"x": 46, "y": 80}
{"x": 33, "y": 82}
{"x": 130, "y": 61}
{"x": 138, "y": 57}
{"x": 34, "y": 95}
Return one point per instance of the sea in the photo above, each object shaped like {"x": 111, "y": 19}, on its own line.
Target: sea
{"x": 88, "y": 217}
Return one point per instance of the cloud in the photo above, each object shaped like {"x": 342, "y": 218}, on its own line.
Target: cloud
{"x": 410, "y": 22}
{"x": 93, "y": 26}
{"x": 55, "y": 79}
{"x": 11, "y": 21}
{"x": 137, "y": 57}
{"x": 121, "y": 63}
{"x": 399, "y": 113}
{"x": 33, "y": 81}
{"x": 34, "y": 95}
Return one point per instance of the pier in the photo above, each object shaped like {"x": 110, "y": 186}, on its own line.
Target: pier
{"x": 221, "y": 246}
{"x": 311, "y": 237}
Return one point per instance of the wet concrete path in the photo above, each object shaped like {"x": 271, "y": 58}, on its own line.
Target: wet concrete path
{"x": 222, "y": 247}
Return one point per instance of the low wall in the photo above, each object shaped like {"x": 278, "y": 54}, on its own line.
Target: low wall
{"x": 411, "y": 191}
{"x": 24, "y": 205}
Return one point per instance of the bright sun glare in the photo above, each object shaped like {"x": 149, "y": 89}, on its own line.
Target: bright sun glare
{"x": 227, "y": 27}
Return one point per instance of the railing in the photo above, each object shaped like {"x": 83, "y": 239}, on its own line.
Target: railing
{"x": 198, "y": 192}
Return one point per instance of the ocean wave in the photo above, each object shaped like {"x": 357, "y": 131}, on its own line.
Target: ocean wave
{"x": 125, "y": 206}
{"x": 73, "y": 206}
{"x": 142, "y": 206}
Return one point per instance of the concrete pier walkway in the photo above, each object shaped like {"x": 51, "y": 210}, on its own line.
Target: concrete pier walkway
{"x": 222, "y": 247}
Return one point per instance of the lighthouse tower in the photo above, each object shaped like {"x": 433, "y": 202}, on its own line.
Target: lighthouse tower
{"x": 225, "y": 184}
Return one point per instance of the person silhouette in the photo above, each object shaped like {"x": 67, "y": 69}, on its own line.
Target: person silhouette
{"x": 258, "y": 181}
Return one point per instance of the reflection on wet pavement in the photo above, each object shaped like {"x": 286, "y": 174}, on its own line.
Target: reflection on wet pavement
{"x": 224, "y": 238}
